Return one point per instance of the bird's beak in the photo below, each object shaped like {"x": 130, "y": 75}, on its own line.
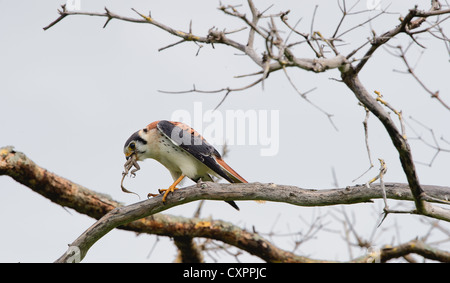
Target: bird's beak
{"x": 128, "y": 155}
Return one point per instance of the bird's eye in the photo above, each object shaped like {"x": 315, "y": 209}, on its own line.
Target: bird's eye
{"x": 132, "y": 146}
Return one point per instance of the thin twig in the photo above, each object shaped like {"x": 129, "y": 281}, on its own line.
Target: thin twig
{"x": 410, "y": 70}
{"x": 303, "y": 95}
{"x": 366, "y": 140}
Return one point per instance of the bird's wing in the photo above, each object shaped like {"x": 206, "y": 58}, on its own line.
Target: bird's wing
{"x": 192, "y": 142}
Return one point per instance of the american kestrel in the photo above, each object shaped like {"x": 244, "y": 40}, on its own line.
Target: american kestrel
{"x": 182, "y": 150}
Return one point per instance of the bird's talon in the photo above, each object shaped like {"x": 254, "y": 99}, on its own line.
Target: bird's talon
{"x": 149, "y": 195}
{"x": 166, "y": 192}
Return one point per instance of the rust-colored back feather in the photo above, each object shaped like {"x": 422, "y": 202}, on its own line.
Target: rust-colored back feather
{"x": 230, "y": 170}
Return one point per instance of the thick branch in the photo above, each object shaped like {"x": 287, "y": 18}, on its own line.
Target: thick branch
{"x": 83, "y": 200}
{"x": 66, "y": 193}
{"x": 226, "y": 232}
{"x": 252, "y": 243}
{"x": 53, "y": 187}
{"x": 412, "y": 247}
{"x": 351, "y": 79}
{"x": 188, "y": 252}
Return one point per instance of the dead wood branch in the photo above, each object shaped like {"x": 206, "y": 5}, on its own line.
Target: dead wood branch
{"x": 142, "y": 217}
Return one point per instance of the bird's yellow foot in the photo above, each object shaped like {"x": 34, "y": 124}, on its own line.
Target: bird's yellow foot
{"x": 171, "y": 188}
{"x": 167, "y": 191}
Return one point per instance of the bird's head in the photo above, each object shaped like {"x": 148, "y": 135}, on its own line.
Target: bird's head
{"x": 136, "y": 144}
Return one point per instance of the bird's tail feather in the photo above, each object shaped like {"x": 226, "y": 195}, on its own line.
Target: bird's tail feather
{"x": 233, "y": 204}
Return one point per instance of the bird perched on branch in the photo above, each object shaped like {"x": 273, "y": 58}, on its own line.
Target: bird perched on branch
{"x": 182, "y": 150}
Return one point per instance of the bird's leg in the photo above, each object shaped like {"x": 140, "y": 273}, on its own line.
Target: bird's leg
{"x": 171, "y": 188}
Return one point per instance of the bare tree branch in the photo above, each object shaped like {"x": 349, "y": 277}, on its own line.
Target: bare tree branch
{"x": 214, "y": 191}
{"x": 366, "y": 140}
{"x": 136, "y": 217}
{"x": 410, "y": 70}
{"x": 188, "y": 252}
{"x": 215, "y": 36}
{"x": 411, "y": 247}
{"x": 433, "y": 145}
{"x": 407, "y": 23}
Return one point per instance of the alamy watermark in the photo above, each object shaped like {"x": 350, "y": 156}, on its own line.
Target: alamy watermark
{"x": 73, "y": 5}
{"x": 234, "y": 127}
{"x": 373, "y": 4}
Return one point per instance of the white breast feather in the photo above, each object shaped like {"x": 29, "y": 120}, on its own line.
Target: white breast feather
{"x": 178, "y": 161}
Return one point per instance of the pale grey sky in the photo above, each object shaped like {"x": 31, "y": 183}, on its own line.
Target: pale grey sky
{"x": 72, "y": 95}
